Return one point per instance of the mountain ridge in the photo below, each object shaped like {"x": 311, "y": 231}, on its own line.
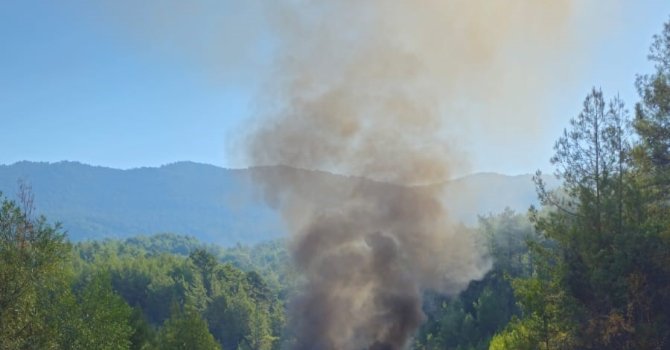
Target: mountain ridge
{"x": 214, "y": 204}
{"x": 194, "y": 163}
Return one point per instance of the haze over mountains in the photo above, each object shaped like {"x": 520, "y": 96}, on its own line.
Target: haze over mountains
{"x": 211, "y": 203}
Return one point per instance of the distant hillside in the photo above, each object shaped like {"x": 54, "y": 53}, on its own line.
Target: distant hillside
{"x": 490, "y": 193}
{"x": 213, "y": 204}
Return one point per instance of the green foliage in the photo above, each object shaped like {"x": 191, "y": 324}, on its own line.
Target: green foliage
{"x": 242, "y": 311}
{"x": 185, "y": 330}
{"x": 269, "y": 259}
{"x": 653, "y": 115}
{"x": 32, "y": 260}
{"x": 577, "y": 278}
{"x": 518, "y": 335}
{"x": 53, "y": 296}
{"x": 143, "y": 336}
{"x": 546, "y": 323}
{"x": 161, "y": 244}
{"x": 96, "y": 318}
{"x": 470, "y": 320}
{"x": 601, "y": 279}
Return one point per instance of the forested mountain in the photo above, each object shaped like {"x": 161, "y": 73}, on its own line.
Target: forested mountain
{"x": 213, "y": 204}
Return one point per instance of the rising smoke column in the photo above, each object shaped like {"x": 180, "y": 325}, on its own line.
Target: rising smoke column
{"x": 374, "y": 89}
{"x": 367, "y": 250}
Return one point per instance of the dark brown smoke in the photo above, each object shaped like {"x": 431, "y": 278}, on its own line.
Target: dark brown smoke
{"x": 379, "y": 90}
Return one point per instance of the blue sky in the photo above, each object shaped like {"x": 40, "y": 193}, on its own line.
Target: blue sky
{"x": 102, "y": 85}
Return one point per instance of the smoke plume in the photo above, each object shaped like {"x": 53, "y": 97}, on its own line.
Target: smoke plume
{"x": 380, "y": 90}
{"x": 367, "y": 250}
{"x": 392, "y": 92}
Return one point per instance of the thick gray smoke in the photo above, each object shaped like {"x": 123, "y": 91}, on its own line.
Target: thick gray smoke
{"x": 373, "y": 89}
{"x": 367, "y": 250}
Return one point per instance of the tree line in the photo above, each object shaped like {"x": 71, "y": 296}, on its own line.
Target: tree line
{"x": 170, "y": 293}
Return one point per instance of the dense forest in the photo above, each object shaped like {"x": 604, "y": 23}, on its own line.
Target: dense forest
{"x": 587, "y": 269}
{"x": 169, "y": 291}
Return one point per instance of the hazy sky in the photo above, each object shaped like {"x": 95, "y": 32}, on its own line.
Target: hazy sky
{"x": 127, "y": 85}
